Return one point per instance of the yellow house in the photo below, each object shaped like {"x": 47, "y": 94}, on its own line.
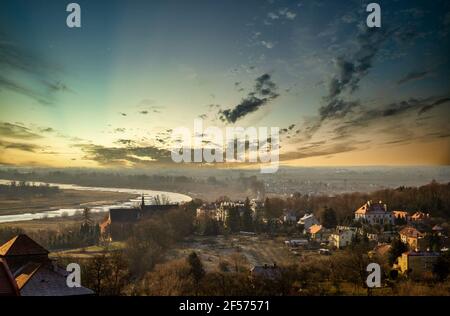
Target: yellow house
{"x": 413, "y": 238}
{"x": 415, "y": 263}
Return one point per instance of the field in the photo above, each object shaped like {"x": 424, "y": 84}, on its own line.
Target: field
{"x": 55, "y": 224}
{"x": 63, "y": 199}
{"x": 248, "y": 250}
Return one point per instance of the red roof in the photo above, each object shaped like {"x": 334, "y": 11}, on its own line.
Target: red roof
{"x": 22, "y": 245}
{"x": 411, "y": 232}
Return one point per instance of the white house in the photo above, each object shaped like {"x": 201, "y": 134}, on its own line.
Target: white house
{"x": 341, "y": 238}
{"x": 374, "y": 213}
{"x": 307, "y": 221}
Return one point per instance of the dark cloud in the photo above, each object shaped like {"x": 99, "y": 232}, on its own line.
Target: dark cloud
{"x": 46, "y": 130}
{"x": 133, "y": 155}
{"x": 39, "y": 82}
{"x": 413, "y": 76}
{"x": 428, "y": 107}
{"x": 127, "y": 142}
{"x": 337, "y": 108}
{"x": 315, "y": 150}
{"x": 17, "y": 131}
{"x": 19, "y": 146}
{"x": 264, "y": 92}
{"x": 350, "y": 70}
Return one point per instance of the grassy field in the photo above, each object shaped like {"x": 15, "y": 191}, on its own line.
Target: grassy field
{"x": 248, "y": 250}
{"x": 55, "y": 224}
{"x": 63, "y": 199}
{"x": 87, "y": 252}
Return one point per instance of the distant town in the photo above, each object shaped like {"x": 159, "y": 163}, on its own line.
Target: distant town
{"x": 299, "y": 244}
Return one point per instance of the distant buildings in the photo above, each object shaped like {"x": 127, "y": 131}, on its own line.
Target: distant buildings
{"x": 415, "y": 263}
{"x": 374, "y": 213}
{"x": 401, "y": 216}
{"x": 420, "y": 216}
{"x": 307, "y": 221}
{"x": 121, "y": 220}
{"x": 26, "y": 270}
{"x": 342, "y": 238}
{"x": 413, "y": 238}
{"x": 318, "y": 232}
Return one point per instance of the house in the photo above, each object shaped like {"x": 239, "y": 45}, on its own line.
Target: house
{"x": 374, "y": 213}
{"x": 341, "y": 238}
{"x": 26, "y": 270}
{"x": 307, "y": 221}
{"x": 413, "y": 238}
{"x": 420, "y": 216}
{"x": 415, "y": 263}
{"x": 317, "y": 232}
{"x": 121, "y": 220}
{"x": 401, "y": 216}
{"x": 207, "y": 210}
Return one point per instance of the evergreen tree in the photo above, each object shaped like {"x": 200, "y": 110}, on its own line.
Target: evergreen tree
{"x": 247, "y": 220}
{"x": 328, "y": 218}
{"x": 196, "y": 270}
{"x": 233, "y": 220}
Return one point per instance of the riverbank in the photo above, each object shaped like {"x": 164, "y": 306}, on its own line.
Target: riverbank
{"x": 63, "y": 199}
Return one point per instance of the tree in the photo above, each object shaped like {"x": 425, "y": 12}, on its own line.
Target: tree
{"x": 233, "y": 220}
{"x": 273, "y": 208}
{"x": 247, "y": 220}
{"x": 397, "y": 248}
{"x": 328, "y": 218}
{"x": 196, "y": 271}
{"x": 441, "y": 269}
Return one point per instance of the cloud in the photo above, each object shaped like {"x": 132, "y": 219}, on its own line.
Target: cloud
{"x": 46, "y": 130}
{"x": 272, "y": 16}
{"x": 125, "y": 156}
{"x": 17, "y": 131}
{"x": 268, "y": 44}
{"x": 38, "y": 77}
{"x": 318, "y": 149}
{"x": 351, "y": 70}
{"x": 264, "y": 92}
{"x": 412, "y": 76}
{"x": 19, "y": 146}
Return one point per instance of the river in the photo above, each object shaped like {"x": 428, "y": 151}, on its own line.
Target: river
{"x": 148, "y": 196}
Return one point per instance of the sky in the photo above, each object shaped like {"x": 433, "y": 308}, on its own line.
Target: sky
{"x": 109, "y": 94}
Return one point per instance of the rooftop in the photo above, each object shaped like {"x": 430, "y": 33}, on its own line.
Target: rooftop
{"x": 22, "y": 245}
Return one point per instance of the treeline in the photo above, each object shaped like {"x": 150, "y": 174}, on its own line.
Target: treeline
{"x": 433, "y": 198}
{"x": 85, "y": 234}
{"x": 178, "y": 183}
{"x": 342, "y": 274}
{"x": 23, "y": 189}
